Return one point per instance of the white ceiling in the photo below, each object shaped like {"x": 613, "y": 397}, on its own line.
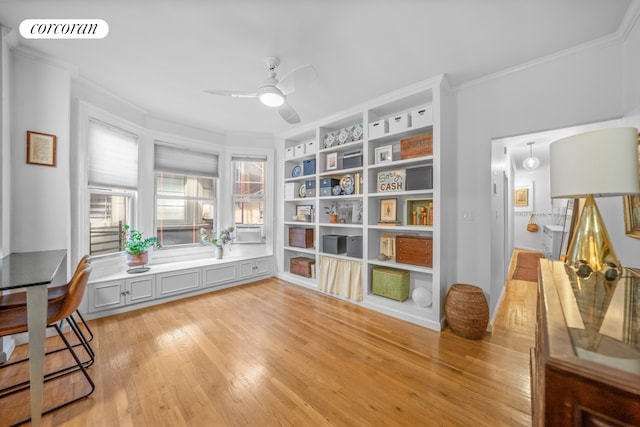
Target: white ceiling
{"x": 161, "y": 55}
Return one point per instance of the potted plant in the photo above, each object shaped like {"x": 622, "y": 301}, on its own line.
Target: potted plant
{"x": 332, "y": 211}
{"x": 136, "y": 246}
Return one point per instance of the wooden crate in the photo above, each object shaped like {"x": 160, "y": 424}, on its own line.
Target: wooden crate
{"x": 390, "y": 282}
{"x": 301, "y": 237}
{"x": 418, "y": 146}
{"x": 302, "y": 266}
{"x": 414, "y": 250}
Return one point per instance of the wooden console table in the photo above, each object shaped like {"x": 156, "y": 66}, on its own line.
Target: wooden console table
{"x": 585, "y": 368}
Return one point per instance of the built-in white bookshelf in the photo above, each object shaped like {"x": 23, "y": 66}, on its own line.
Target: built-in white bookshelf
{"x": 335, "y": 146}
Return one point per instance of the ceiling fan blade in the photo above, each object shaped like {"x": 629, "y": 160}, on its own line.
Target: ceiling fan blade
{"x": 297, "y": 78}
{"x": 232, "y": 93}
{"x": 288, "y": 114}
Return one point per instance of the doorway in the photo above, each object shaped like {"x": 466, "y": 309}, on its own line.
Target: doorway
{"x": 509, "y": 222}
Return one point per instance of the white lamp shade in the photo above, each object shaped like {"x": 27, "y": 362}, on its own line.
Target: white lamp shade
{"x": 601, "y": 163}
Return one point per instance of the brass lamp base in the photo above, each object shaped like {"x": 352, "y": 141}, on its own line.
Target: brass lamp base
{"x": 590, "y": 249}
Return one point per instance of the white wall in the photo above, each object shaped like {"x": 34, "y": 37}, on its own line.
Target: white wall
{"x": 585, "y": 86}
{"x": 5, "y": 141}
{"x": 541, "y": 204}
{"x": 40, "y": 195}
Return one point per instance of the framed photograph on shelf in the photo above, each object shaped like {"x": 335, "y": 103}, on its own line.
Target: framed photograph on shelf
{"x": 388, "y": 210}
{"x": 41, "y": 149}
{"x": 384, "y": 154}
{"x": 332, "y": 161}
{"x": 303, "y": 212}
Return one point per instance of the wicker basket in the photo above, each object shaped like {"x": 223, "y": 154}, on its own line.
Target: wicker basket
{"x": 390, "y": 282}
{"x": 467, "y": 311}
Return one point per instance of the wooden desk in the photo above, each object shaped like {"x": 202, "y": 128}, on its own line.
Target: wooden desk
{"x": 34, "y": 271}
{"x": 586, "y": 364}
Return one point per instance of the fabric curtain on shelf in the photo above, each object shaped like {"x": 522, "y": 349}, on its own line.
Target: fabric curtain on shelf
{"x": 342, "y": 277}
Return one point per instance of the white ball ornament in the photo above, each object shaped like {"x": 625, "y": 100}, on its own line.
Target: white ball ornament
{"x": 422, "y": 297}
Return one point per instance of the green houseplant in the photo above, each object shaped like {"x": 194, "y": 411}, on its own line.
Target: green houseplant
{"x": 136, "y": 246}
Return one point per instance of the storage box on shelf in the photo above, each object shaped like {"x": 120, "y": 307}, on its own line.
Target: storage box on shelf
{"x": 422, "y": 117}
{"x": 354, "y": 246}
{"x": 416, "y": 250}
{"x": 303, "y": 266}
{"x": 390, "y": 282}
{"x": 419, "y": 178}
{"x": 301, "y": 237}
{"x": 334, "y": 244}
{"x": 416, "y": 146}
{"x": 378, "y": 128}
{"x": 352, "y": 160}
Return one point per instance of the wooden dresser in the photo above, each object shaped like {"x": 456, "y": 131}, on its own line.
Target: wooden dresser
{"x": 585, "y": 368}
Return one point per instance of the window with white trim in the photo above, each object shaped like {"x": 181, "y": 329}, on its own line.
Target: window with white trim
{"x": 113, "y": 181}
{"x": 248, "y": 197}
{"x": 185, "y": 194}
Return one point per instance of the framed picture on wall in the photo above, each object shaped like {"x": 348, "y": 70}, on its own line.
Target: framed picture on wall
{"x": 523, "y": 198}
{"x": 632, "y": 209}
{"x": 41, "y": 149}
{"x": 632, "y": 215}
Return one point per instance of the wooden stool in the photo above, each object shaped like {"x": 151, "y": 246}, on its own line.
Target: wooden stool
{"x": 467, "y": 311}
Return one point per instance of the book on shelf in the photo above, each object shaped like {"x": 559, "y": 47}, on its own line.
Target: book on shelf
{"x": 390, "y": 223}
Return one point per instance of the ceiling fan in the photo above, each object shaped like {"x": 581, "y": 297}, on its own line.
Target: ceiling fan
{"x": 273, "y": 92}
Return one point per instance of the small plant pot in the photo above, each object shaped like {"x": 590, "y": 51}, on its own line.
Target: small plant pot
{"x": 333, "y": 219}
{"x": 136, "y": 263}
{"x": 137, "y": 260}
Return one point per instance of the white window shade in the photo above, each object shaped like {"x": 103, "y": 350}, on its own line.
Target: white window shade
{"x": 113, "y": 157}
{"x": 185, "y": 162}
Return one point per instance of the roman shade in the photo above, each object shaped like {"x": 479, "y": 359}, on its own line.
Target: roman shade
{"x": 113, "y": 156}
{"x": 172, "y": 159}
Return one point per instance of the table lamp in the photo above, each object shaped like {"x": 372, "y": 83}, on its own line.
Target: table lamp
{"x": 597, "y": 163}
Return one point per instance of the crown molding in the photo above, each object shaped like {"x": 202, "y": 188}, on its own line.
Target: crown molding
{"x": 36, "y": 55}
{"x": 10, "y": 36}
{"x": 629, "y": 20}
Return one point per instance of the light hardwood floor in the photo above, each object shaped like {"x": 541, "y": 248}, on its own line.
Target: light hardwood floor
{"x": 275, "y": 354}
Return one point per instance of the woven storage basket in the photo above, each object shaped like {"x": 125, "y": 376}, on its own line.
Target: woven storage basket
{"x": 390, "y": 282}
{"x": 467, "y": 311}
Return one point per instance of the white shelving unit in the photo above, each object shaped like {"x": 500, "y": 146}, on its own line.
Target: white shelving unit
{"x": 431, "y": 94}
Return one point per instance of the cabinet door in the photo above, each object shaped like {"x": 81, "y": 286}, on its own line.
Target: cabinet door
{"x": 177, "y": 282}
{"x": 219, "y": 275}
{"x": 140, "y": 289}
{"x": 106, "y": 295}
{"x": 262, "y": 266}
{"x": 246, "y": 269}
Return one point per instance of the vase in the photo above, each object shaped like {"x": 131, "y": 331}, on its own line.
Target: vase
{"x": 218, "y": 252}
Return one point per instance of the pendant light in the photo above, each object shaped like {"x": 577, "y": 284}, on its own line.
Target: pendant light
{"x": 531, "y": 163}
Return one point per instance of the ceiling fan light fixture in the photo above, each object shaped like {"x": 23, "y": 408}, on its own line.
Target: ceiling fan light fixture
{"x": 270, "y": 96}
{"x": 531, "y": 163}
